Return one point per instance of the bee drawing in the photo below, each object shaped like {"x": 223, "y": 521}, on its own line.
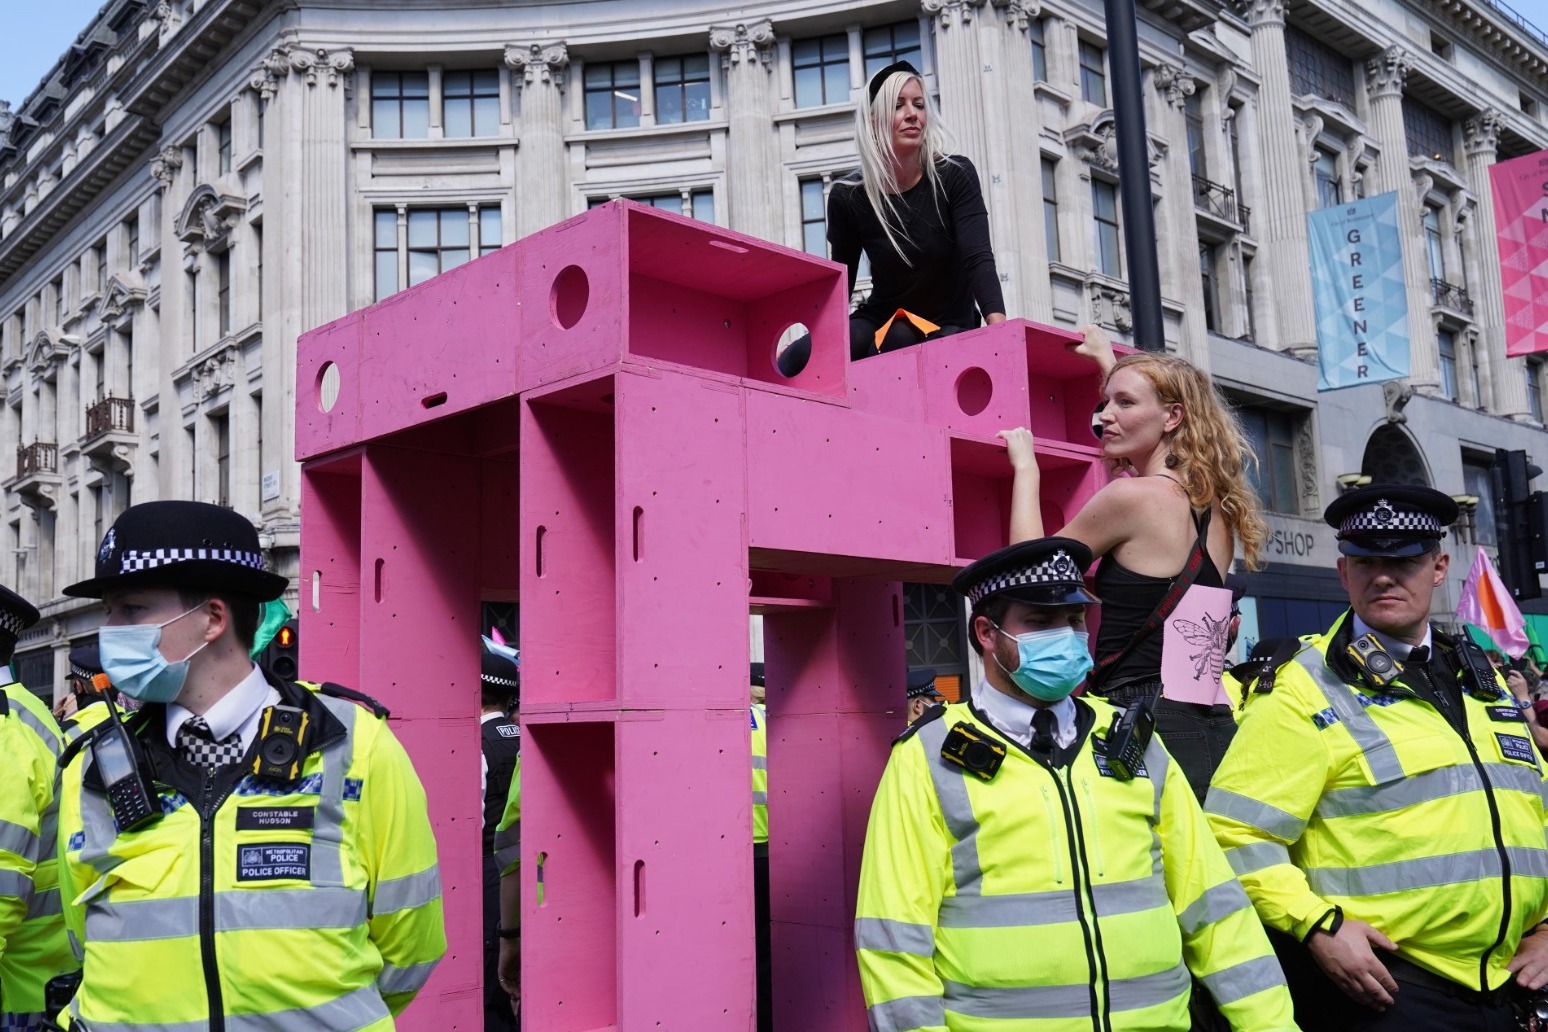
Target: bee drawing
{"x": 1212, "y": 638}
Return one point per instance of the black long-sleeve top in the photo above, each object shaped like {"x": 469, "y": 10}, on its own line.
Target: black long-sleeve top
{"x": 951, "y": 263}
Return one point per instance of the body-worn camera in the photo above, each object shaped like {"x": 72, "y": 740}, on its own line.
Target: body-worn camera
{"x": 972, "y": 750}
{"x": 1376, "y": 661}
{"x": 281, "y": 743}
{"x": 1127, "y": 737}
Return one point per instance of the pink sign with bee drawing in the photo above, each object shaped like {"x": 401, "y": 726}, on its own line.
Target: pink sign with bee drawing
{"x": 1194, "y": 641}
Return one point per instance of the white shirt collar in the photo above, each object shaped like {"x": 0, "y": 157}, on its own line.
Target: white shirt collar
{"x": 487, "y": 717}
{"x": 1398, "y": 649}
{"x": 235, "y": 712}
{"x": 5, "y": 674}
{"x": 1013, "y": 717}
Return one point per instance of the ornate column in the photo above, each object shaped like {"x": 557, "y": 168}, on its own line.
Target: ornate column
{"x": 959, "y": 72}
{"x": 1178, "y": 252}
{"x": 1011, "y": 158}
{"x": 1280, "y": 219}
{"x": 753, "y": 166}
{"x": 1384, "y": 77}
{"x": 543, "y": 70}
{"x": 1480, "y": 142}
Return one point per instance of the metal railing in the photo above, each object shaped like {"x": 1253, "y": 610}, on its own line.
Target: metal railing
{"x": 37, "y": 457}
{"x": 1449, "y": 295}
{"x": 108, "y": 415}
{"x": 1215, "y": 198}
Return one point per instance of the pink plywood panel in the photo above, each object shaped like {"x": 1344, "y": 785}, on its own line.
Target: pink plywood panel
{"x": 574, "y": 297}
{"x": 976, "y": 382}
{"x": 569, "y": 876}
{"x": 569, "y": 630}
{"x": 446, "y": 346}
{"x": 822, "y": 308}
{"x": 685, "y": 913}
{"x": 329, "y": 583}
{"x": 981, "y": 478}
{"x": 889, "y": 384}
{"x": 335, "y": 346}
{"x": 848, "y": 483}
{"x": 681, "y": 542}
{"x": 1063, "y": 387}
{"x": 499, "y": 519}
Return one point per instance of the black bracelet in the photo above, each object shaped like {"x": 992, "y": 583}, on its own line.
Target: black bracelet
{"x": 508, "y": 933}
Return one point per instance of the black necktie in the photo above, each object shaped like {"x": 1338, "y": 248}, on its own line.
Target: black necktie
{"x": 1043, "y": 724}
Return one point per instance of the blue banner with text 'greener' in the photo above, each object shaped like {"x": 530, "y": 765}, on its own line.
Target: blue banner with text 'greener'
{"x": 1361, "y": 300}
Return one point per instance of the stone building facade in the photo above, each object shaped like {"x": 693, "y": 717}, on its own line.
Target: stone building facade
{"x": 197, "y": 182}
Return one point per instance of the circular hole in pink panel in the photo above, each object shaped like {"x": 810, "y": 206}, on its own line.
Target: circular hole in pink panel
{"x": 792, "y": 350}
{"x": 327, "y": 387}
{"x": 567, "y": 301}
{"x": 974, "y": 389}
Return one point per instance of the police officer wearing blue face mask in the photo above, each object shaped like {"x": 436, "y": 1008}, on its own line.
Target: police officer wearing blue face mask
{"x": 1020, "y": 865}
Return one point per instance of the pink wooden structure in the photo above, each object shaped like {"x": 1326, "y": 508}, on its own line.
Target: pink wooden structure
{"x": 592, "y": 419}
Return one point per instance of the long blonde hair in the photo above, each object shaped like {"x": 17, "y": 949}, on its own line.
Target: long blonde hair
{"x": 878, "y": 158}
{"x": 1208, "y": 451}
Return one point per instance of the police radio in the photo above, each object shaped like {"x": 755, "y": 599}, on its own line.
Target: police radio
{"x": 973, "y": 751}
{"x": 129, "y": 791}
{"x": 1128, "y": 736}
{"x": 1378, "y": 664}
{"x": 281, "y": 743}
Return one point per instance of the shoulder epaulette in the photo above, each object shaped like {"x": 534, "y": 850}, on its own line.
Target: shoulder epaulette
{"x": 1262, "y": 666}
{"x": 338, "y": 691}
{"x": 935, "y": 712}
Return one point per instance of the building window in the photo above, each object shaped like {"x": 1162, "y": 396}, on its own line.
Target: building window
{"x": 470, "y": 103}
{"x": 932, "y": 622}
{"x": 1051, "y": 210}
{"x": 60, "y": 308}
{"x": 222, "y": 428}
{"x": 814, "y": 218}
{"x": 1247, "y": 299}
{"x": 682, "y": 89}
{"x": 1330, "y": 191}
{"x": 700, "y": 203}
{"x": 258, "y": 272}
{"x": 400, "y": 105}
{"x": 1477, "y": 482}
{"x": 1104, "y": 206}
{"x": 1093, "y": 74}
{"x": 1318, "y": 69}
{"x": 132, "y": 235}
{"x": 99, "y": 260}
{"x": 488, "y": 230}
{"x": 888, "y": 44}
{"x": 613, "y": 95}
{"x": 437, "y": 241}
{"x": 1211, "y": 291}
{"x": 223, "y": 147}
{"x": 1474, "y": 345}
{"x": 223, "y": 290}
{"x": 193, "y": 310}
{"x": 1446, "y": 342}
{"x": 1534, "y": 386}
{"x": 821, "y": 68}
{"x": 1193, "y": 116}
{"x": 1039, "y": 50}
{"x": 385, "y": 236}
{"x": 1433, "y": 248}
{"x": 1428, "y": 132}
{"x": 1271, "y": 433}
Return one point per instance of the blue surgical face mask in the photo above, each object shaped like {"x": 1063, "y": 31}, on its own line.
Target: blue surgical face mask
{"x": 1053, "y": 663}
{"x": 131, "y": 658}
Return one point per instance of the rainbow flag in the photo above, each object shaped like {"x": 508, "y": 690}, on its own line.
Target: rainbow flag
{"x": 1486, "y": 603}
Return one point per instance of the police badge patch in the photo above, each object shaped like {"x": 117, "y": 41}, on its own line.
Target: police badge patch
{"x": 105, "y": 553}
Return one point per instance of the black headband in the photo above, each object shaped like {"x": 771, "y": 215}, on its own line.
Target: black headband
{"x": 880, "y": 77}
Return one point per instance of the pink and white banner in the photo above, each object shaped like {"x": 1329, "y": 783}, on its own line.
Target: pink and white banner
{"x": 1521, "y": 224}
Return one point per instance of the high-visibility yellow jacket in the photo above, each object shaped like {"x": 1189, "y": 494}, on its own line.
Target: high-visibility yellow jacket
{"x": 254, "y": 903}
{"x": 33, "y": 947}
{"x": 760, "y": 772}
{"x": 1337, "y": 793}
{"x": 507, "y": 842}
{"x": 1050, "y": 899}
{"x": 82, "y": 721}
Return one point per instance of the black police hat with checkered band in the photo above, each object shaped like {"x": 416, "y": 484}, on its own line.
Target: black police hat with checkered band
{"x": 1049, "y": 571}
{"x": 921, "y": 685}
{"x": 16, "y": 615}
{"x": 1391, "y": 520}
{"x": 85, "y": 662}
{"x": 181, "y": 545}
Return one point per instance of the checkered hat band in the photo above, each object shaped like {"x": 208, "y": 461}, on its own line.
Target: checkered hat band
{"x": 1060, "y": 569}
{"x": 81, "y": 672}
{"x": 502, "y": 682}
{"x": 1386, "y": 520}
{"x": 12, "y": 623}
{"x": 132, "y": 561}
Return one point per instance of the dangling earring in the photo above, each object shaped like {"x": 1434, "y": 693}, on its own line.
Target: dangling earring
{"x": 1172, "y": 461}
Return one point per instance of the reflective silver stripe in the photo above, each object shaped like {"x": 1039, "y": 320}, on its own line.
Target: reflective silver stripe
{"x": 760, "y": 763}
{"x": 16, "y": 839}
{"x": 47, "y": 735}
{"x": 328, "y": 828}
{"x": 44, "y": 904}
{"x": 235, "y": 911}
{"x": 879, "y": 933}
{"x": 1372, "y": 740}
{"x": 138, "y": 1026}
{"x": 1424, "y": 788}
{"x": 1028, "y": 909}
{"x": 907, "y": 1013}
{"x": 1156, "y": 763}
{"x": 96, "y": 826}
{"x": 508, "y": 838}
{"x": 49, "y": 821}
{"x": 760, "y": 798}
{"x": 406, "y": 893}
{"x": 1255, "y": 856}
{"x": 1270, "y": 820}
{"x": 951, "y": 791}
{"x": 1244, "y": 979}
{"x": 14, "y": 883}
{"x": 143, "y": 920}
{"x": 505, "y": 857}
{"x": 1217, "y": 903}
{"x": 76, "y": 947}
{"x": 1425, "y": 872}
{"x": 1064, "y": 1001}
{"x": 352, "y": 1010}
{"x": 411, "y": 979}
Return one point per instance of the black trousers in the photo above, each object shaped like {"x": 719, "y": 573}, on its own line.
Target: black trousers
{"x": 497, "y": 1005}
{"x": 761, "y": 933}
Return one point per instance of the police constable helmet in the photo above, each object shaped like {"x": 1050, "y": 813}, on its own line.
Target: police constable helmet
{"x": 1391, "y": 520}
{"x": 16, "y": 615}
{"x": 1047, "y": 571}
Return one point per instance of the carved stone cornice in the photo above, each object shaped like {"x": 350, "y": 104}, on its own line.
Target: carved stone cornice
{"x": 125, "y": 291}
{"x": 1386, "y": 73}
{"x": 266, "y": 77}
{"x": 544, "y": 63}
{"x": 314, "y": 63}
{"x": 1110, "y": 306}
{"x": 1019, "y": 13}
{"x": 744, "y": 43}
{"x": 1094, "y": 143}
{"x": 1263, "y": 12}
{"x": 1481, "y": 133}
{"x": 208, "y": 216}
{"x": 216, "y": 373}
{"x": 1309, "y": 128}
{"x": 950, "y": 13}
{"x": 1174, "y": 84}
{"x": 164, "y": 166}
